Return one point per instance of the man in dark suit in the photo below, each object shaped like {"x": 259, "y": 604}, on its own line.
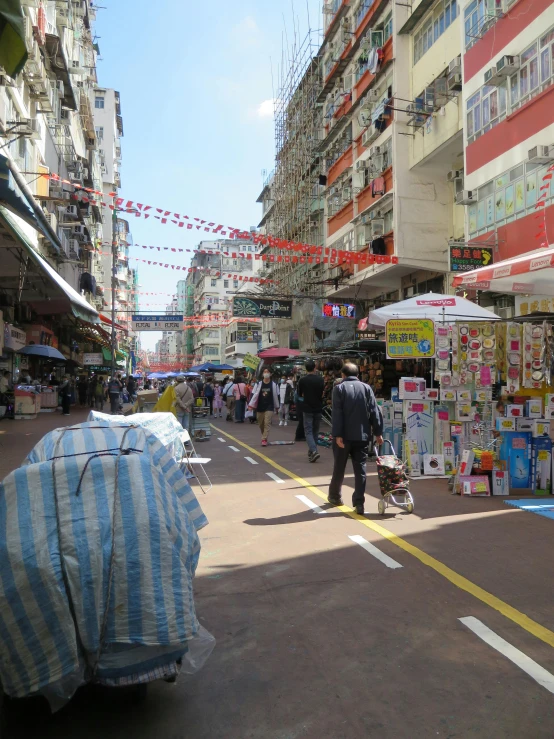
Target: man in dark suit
{"x": 356, "y": 418}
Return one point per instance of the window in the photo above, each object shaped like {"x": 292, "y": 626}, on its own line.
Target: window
{"x": 225, "y": 283}
{"x": 99, "y": 102}
{"x": 484, "y": 110}
{"x": 235, "y": 283}
{"x": 444, "y": 14}
{"x": 99, "y": 133}
{"x": 214, "y": 283}
{"x": 387, "y": 30}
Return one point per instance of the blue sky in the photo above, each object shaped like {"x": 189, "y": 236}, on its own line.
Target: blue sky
{"x": 196, "y": 91}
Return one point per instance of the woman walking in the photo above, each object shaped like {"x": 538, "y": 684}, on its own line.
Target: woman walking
{"x": 286, "y": 396}
{"x": 218, "y": 400}
{"x": 265, "y": 400}
{"x": 239, "y": 392}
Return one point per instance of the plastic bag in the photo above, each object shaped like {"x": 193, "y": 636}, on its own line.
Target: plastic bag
{"x": 199, "y": 649}
{"x": 249, "y": 414}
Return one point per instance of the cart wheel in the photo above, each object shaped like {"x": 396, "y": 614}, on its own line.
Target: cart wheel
{"x": 381, "y": 507}
{"x": 410, "y": 508}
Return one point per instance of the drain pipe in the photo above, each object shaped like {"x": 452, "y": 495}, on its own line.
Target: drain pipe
{"x": 37, "y": 210}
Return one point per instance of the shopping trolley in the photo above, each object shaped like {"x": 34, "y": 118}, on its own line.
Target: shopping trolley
{"x": 393, "y": 481}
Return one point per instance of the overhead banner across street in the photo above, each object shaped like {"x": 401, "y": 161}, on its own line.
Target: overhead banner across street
{"x": 163, "y": 322}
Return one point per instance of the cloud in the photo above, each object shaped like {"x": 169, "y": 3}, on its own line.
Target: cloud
{"x": 265, "y": 109}
{"x": 247, "y": 33}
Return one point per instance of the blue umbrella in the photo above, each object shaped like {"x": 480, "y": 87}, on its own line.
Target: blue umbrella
{"x": 41, "y": 350}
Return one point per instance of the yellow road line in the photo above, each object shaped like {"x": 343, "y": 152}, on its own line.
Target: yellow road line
{"x": 456, "y": 579}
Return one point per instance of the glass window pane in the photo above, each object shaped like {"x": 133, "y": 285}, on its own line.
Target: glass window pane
{"x": 480, "y": 215}
{"x": 454, "y": 7}
{"x": 523, "y": 82}
{"x": 545, "y": 65}
{"x": 534, "y": 73}
{"x": 499, "y": 205}
{"x": 473, "y": 99}
{"x": 501, "y": 181}
{"x": 470, "y": 130}
{"x": 489, "y": 209}
{"x": 516, "y": 172}
{"x": 528, "y": 53}
{"x": 513, "y": 89}
{"x": 441, "y": 24}
{"x": 547, "y": 38}
{"x": 531, "y": 189}
{"x": 447, "y": 16}
{"x": 493, "y": 105}
{"x": 436, "y": 30}
{"x": 502, "y": 100}
{"x": 472, "y": 218}
{"x": 477, "y": 117}
{"x": 510, "y": 200}
{"x": 486, "y": 111}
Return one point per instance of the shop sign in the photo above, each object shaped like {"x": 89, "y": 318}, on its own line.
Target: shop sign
{"x": 90, "y": 358}
{"x": 467, "y": 258}
{"x": 265, "y": 308}
{"x": 14, "y": 338}
{"x": 339, "y": 310}
{"x": 294, "y": 340}
{"x": 162, "y": 322}
{"x": 367, "y": 335}
{"x": 533, "y": 304}
{"x": 410, "y": 338}
{"x": 251, "y": 361}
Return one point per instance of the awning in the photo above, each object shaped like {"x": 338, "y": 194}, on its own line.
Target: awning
{"x": 43, "y": 288}
{"x": 532, "y": 274}
{"x": 11, "y": 196}
{"x": 119, "y": 356}
{"x": 108, "y": 322}
{"x": 13, "y": 53}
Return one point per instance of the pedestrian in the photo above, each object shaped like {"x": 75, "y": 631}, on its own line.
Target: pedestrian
{"x": 199, "y": 387}
{"x": 209, "y": 394}
{"x": 240, "y": 394}
{"x": 218, "y": 400}
{"x": 286, "y": 395}
{"x": 184, "y": 399}
{"x": 82, "y": 388}
{"x": 99, "y": 392}
{"x": 147, "y": 384}
{"x": 132, "y": 388}
{"x": 229, "y": 397}
{"x": 265, "y": 399}
{"x": 65, "y": 395}
{"x": 310, "y": 390}
{"x": 115, "y": 386}
{"x": 356, "y": 417}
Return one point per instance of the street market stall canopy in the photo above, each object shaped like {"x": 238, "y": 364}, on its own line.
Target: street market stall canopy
{"x": 531, "y": 273}
{"x": 277, "y": 353}
{"x": 446, "y": 308}
{"x": 42, "y": 287}
{"x": 209, "y": 367}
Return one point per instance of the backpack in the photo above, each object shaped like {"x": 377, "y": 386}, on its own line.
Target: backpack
{"x": 114, "y": 386}
{"x": 99, "y": 390}
{"x": 289, "y": 394}
{"x": 242, "y": 395}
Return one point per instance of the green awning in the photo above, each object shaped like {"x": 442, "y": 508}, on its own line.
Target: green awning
{"x": 13, "y": 53}
{"x": 119, "y": 356}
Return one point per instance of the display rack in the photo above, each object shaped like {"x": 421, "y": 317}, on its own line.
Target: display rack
{"x": 200, "y": 429}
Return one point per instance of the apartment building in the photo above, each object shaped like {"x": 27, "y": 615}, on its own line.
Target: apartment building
{"x": 508, "y": 105}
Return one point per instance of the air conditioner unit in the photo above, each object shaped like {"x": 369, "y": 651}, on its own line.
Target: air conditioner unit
{"x": 52, "y": 220}
{"x": 74, "y": 166}
{"x": 455, "y": 66}
{"x": 374, "y": 151}
{"x": 453, "y": 174}
{"x": 505, "y": 313}
{"x": 74, "y": 248}
{"x": 78, "y": 230}
{"x": 85, "y": 172}
{"x": 378, "y": 227}
{"x": 370, "y": 135}
{"x": 541, "y": 154}
{"x": 361, "y": 165}
{"x": 507, "y": 65}
{"x": 364, "y": 118}
{"x": 75, "y": 68}
{"x": 454, "y": 82}
{"x": 76, "y": 177}
{"x": 71, "y": 211}
{"x": 465, "y": 197}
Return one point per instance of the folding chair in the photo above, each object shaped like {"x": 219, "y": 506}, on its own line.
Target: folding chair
{"x": 191, "y": 459}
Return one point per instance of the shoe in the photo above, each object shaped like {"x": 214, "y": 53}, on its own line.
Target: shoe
{"x": 360, "y": 509}
{"x": 264, "y": 442}
{"x": 335, "y": 501}
{"x": 314, "y": 457}
{"x": 285, "y": 423}
{"x": 281, "y": 423}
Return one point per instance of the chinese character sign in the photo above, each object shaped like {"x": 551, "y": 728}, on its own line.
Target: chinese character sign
{"x": 339, "y": 310}
{"x": 410, "y": 338}
{"x": 466, "y": 258}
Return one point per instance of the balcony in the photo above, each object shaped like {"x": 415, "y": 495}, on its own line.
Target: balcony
{"x": 60, "y": 63}
{"x": 340, "y": 219}
{"x": 340, "y": 166}
{"x": 366, "y": 198}
{"x": 367, "y": 78}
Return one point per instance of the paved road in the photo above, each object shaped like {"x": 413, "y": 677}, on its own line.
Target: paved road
{"x": 333, "y": 625}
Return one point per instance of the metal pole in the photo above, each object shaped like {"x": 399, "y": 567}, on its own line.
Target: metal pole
{"x": 114, "y": 258}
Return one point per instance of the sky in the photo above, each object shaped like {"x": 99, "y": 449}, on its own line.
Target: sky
{"x": 197, "y": 82}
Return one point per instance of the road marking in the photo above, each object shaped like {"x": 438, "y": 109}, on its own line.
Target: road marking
{"x": 315, "y": 508}
{"x": 234, "y": 448}
{"x": 525, "y": 663}
{"x": 252, "y": 461}
{"x": 223, "y": 440}
{"x": 533, "y": 627}
{"x": 274, "y": 477}
{"x": 377, "y": 553}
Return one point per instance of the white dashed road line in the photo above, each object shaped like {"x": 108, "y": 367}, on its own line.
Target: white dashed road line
{"x": 223, "y": 440}
{"x": 234, "y": 448}
{"x": 315, "y": 508}
{"x": 252, "y": 461}
{"x": 525, "y": 663}
{"x": 377, "y": 553}
{"x": 274, "y": 477}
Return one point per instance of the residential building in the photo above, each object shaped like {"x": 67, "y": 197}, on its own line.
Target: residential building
{"x": 242, "y": 337}
{"x": 508, "y": 105}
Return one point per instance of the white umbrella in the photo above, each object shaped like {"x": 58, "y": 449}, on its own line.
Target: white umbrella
{"x": 440, "y": 308}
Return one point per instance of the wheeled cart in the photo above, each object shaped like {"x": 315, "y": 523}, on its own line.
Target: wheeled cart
{"x": 200, "y": 429}
{"x": 393, "y": 482}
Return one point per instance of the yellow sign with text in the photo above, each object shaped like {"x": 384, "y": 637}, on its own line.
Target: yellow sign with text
{"x": 410, "y": 338}
{"x": 251, "y": 361}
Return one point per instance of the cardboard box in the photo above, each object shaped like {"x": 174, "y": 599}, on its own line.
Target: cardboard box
{"x": 412, "y": 458}
{"x": 506, "y": 424}
{"x": 549, "y": 413}
{"x": 483, "y": 396}
{"x": 448, "y": 395}
{"x": 515, "y": 411}
{"x": 464, "y": 395}
{"x": 449, "y": 458}
{"x": 549, "y": 400}
{"x": 412, "y": 388}
{"x": 432, "y": 393}
{"x": 466, "y": 462}
{"x": 533, "y": 408}
{"x": 433, "y": 464}
{"x": 477, "y": 486}
{"x": 523, "y": 424}
{"x": 500, "y": 482}
{"x": 465, "y": 411}
{"x": 540, "y": 427}
{"x": 515, "y": 450}
{"x": 541, "y": 450}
